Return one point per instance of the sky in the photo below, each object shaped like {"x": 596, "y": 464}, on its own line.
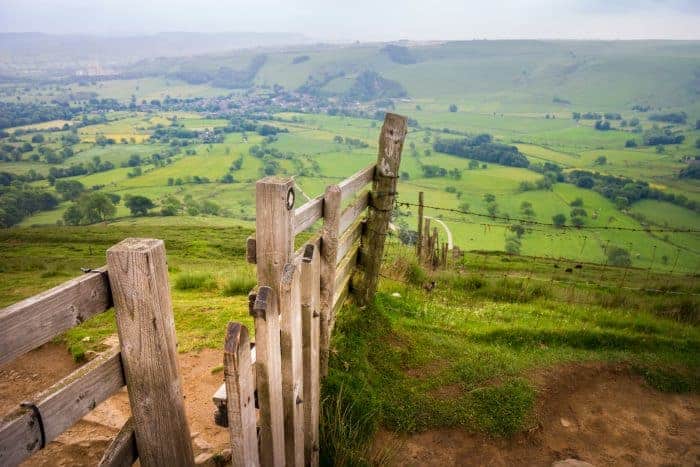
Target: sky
{"x": 364, "y": 20}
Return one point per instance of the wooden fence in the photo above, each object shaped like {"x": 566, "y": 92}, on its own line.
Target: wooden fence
{"x": 135, "y": 282}
{"x": 294, "y": 308}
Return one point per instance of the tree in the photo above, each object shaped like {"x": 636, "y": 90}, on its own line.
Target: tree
{"x": 513, "y": 245}
{"x": 619, "y": 256}
{"x": 90, "y": 209}
{"x": 70, "y": 190}
{"x": 578, "y": 202}
{"x": 453, "y": 108}
{"x": 518, "y": 229}
{"x": 601, "y": 160}
{"x": 630, "y": 143}
{"x": 559, "y": 220}
{"x": 473, "y": 164}
{"x": 578, "y": 221}
{"x": 38, "y": 138}
{"x": 489, "y": 198}
{"x": 138, "y": 205}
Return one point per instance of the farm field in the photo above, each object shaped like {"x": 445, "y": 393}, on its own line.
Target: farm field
{"x": 310, "y": 143}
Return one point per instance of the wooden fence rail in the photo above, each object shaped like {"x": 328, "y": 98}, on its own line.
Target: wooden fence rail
{"x": 299, "y": 293}
{"x": 136, "y": 281}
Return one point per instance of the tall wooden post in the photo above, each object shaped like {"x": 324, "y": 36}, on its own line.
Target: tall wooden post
{"x": 138, "y": 276}
{"x": 419, "y": 242}
{"x": 310, "y": 302}
{"x": 329, "y": 257}
{"x": 274, "y": 242}
{"x": 386, "y": 177}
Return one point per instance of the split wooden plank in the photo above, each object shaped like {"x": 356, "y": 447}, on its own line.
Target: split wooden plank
{"x": 329, "y": 257}
{"x": 122, "y": 451}
{"x": 36, "y": 320}
{"x": 353, "y": 212}
{"x": 386, "y": 178}
{"x": 350, "y": 186}
{"x": 240, "y": 395}
{"x": 305, "y": 216}
{"x": 268, "y": 377}
{"x": 219, "y": 397}
{"x": 59, "y": 407}
{"x": 292, "y": 364}
{"x": 311, "y": 328}
{"x": 139, "y": 281}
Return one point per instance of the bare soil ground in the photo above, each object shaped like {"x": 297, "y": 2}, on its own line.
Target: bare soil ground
{"x": 85, "y": 442}
{"x": 598, "y": 413}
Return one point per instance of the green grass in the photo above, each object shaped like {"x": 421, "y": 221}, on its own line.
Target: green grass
{"x": 462, "y": 354}
{"x": 240, "y": 284}
{"x": 195, "y": 281}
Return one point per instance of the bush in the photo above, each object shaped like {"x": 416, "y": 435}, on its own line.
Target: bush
{"x": 239, "y": 284}
{"x": 195, "y": 281}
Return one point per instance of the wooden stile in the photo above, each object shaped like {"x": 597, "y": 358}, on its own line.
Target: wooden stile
{"x": 122, "y": 451}
{"x": 240, "y": 396}
{"x": 59, "y": 407}
{"x": 329, "y": 257}
{"x": 386, "y": 177}
{"x": 139, "y": 281}
{"x": 310, "y": 302}
{"x": 30, "y": 323}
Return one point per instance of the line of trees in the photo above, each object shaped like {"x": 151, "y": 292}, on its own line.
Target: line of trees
{"x": 482, "y": 148}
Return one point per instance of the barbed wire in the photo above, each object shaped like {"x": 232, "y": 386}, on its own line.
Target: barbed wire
{"x": 544, "y": 224}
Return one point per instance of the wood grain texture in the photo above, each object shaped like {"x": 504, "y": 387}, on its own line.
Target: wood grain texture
{"x": 419, "y": 242}
{"x": 36, "y": 320}
{"x": 274, "y": 234}
{"x": 352, "y": 185}
{"x": 122, "y": 451}
{"x": 386, "y": 177}
{"x": 346, "y": 266}
{"x": 329, "y": 257}
{"x": 353, "y": 212}
{"x": 311, "y": 329}
{"x": 305, "y": 216}
{"x": 139, "y": 280}
{"x": 60, "y": 407}
{"x": 292, "y": 363}
{"x": 240, "y": 397}
{"x": 350, "y": 238}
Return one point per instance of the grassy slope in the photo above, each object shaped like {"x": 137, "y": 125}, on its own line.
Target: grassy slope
{"x": 462, "y": 354}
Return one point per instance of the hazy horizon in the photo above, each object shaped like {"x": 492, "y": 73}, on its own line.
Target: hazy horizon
{"x": 363, "y": 20}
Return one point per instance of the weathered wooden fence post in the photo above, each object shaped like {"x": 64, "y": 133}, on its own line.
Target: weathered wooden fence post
{"x": 138, "y": 277}
{"x": 386, "y": 177}
{"x": 419, "y": 240}
{"x": 240, "y": 397}
{"x": 274, "y": 244}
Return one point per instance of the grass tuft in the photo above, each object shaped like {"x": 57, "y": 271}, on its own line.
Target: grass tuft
{"x": 240, "y": 284}
{"x": 195, "y": 281}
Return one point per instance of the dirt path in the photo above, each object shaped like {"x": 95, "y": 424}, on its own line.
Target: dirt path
{"x": 598, "y": 414}
{"x": 84, "y": 443}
